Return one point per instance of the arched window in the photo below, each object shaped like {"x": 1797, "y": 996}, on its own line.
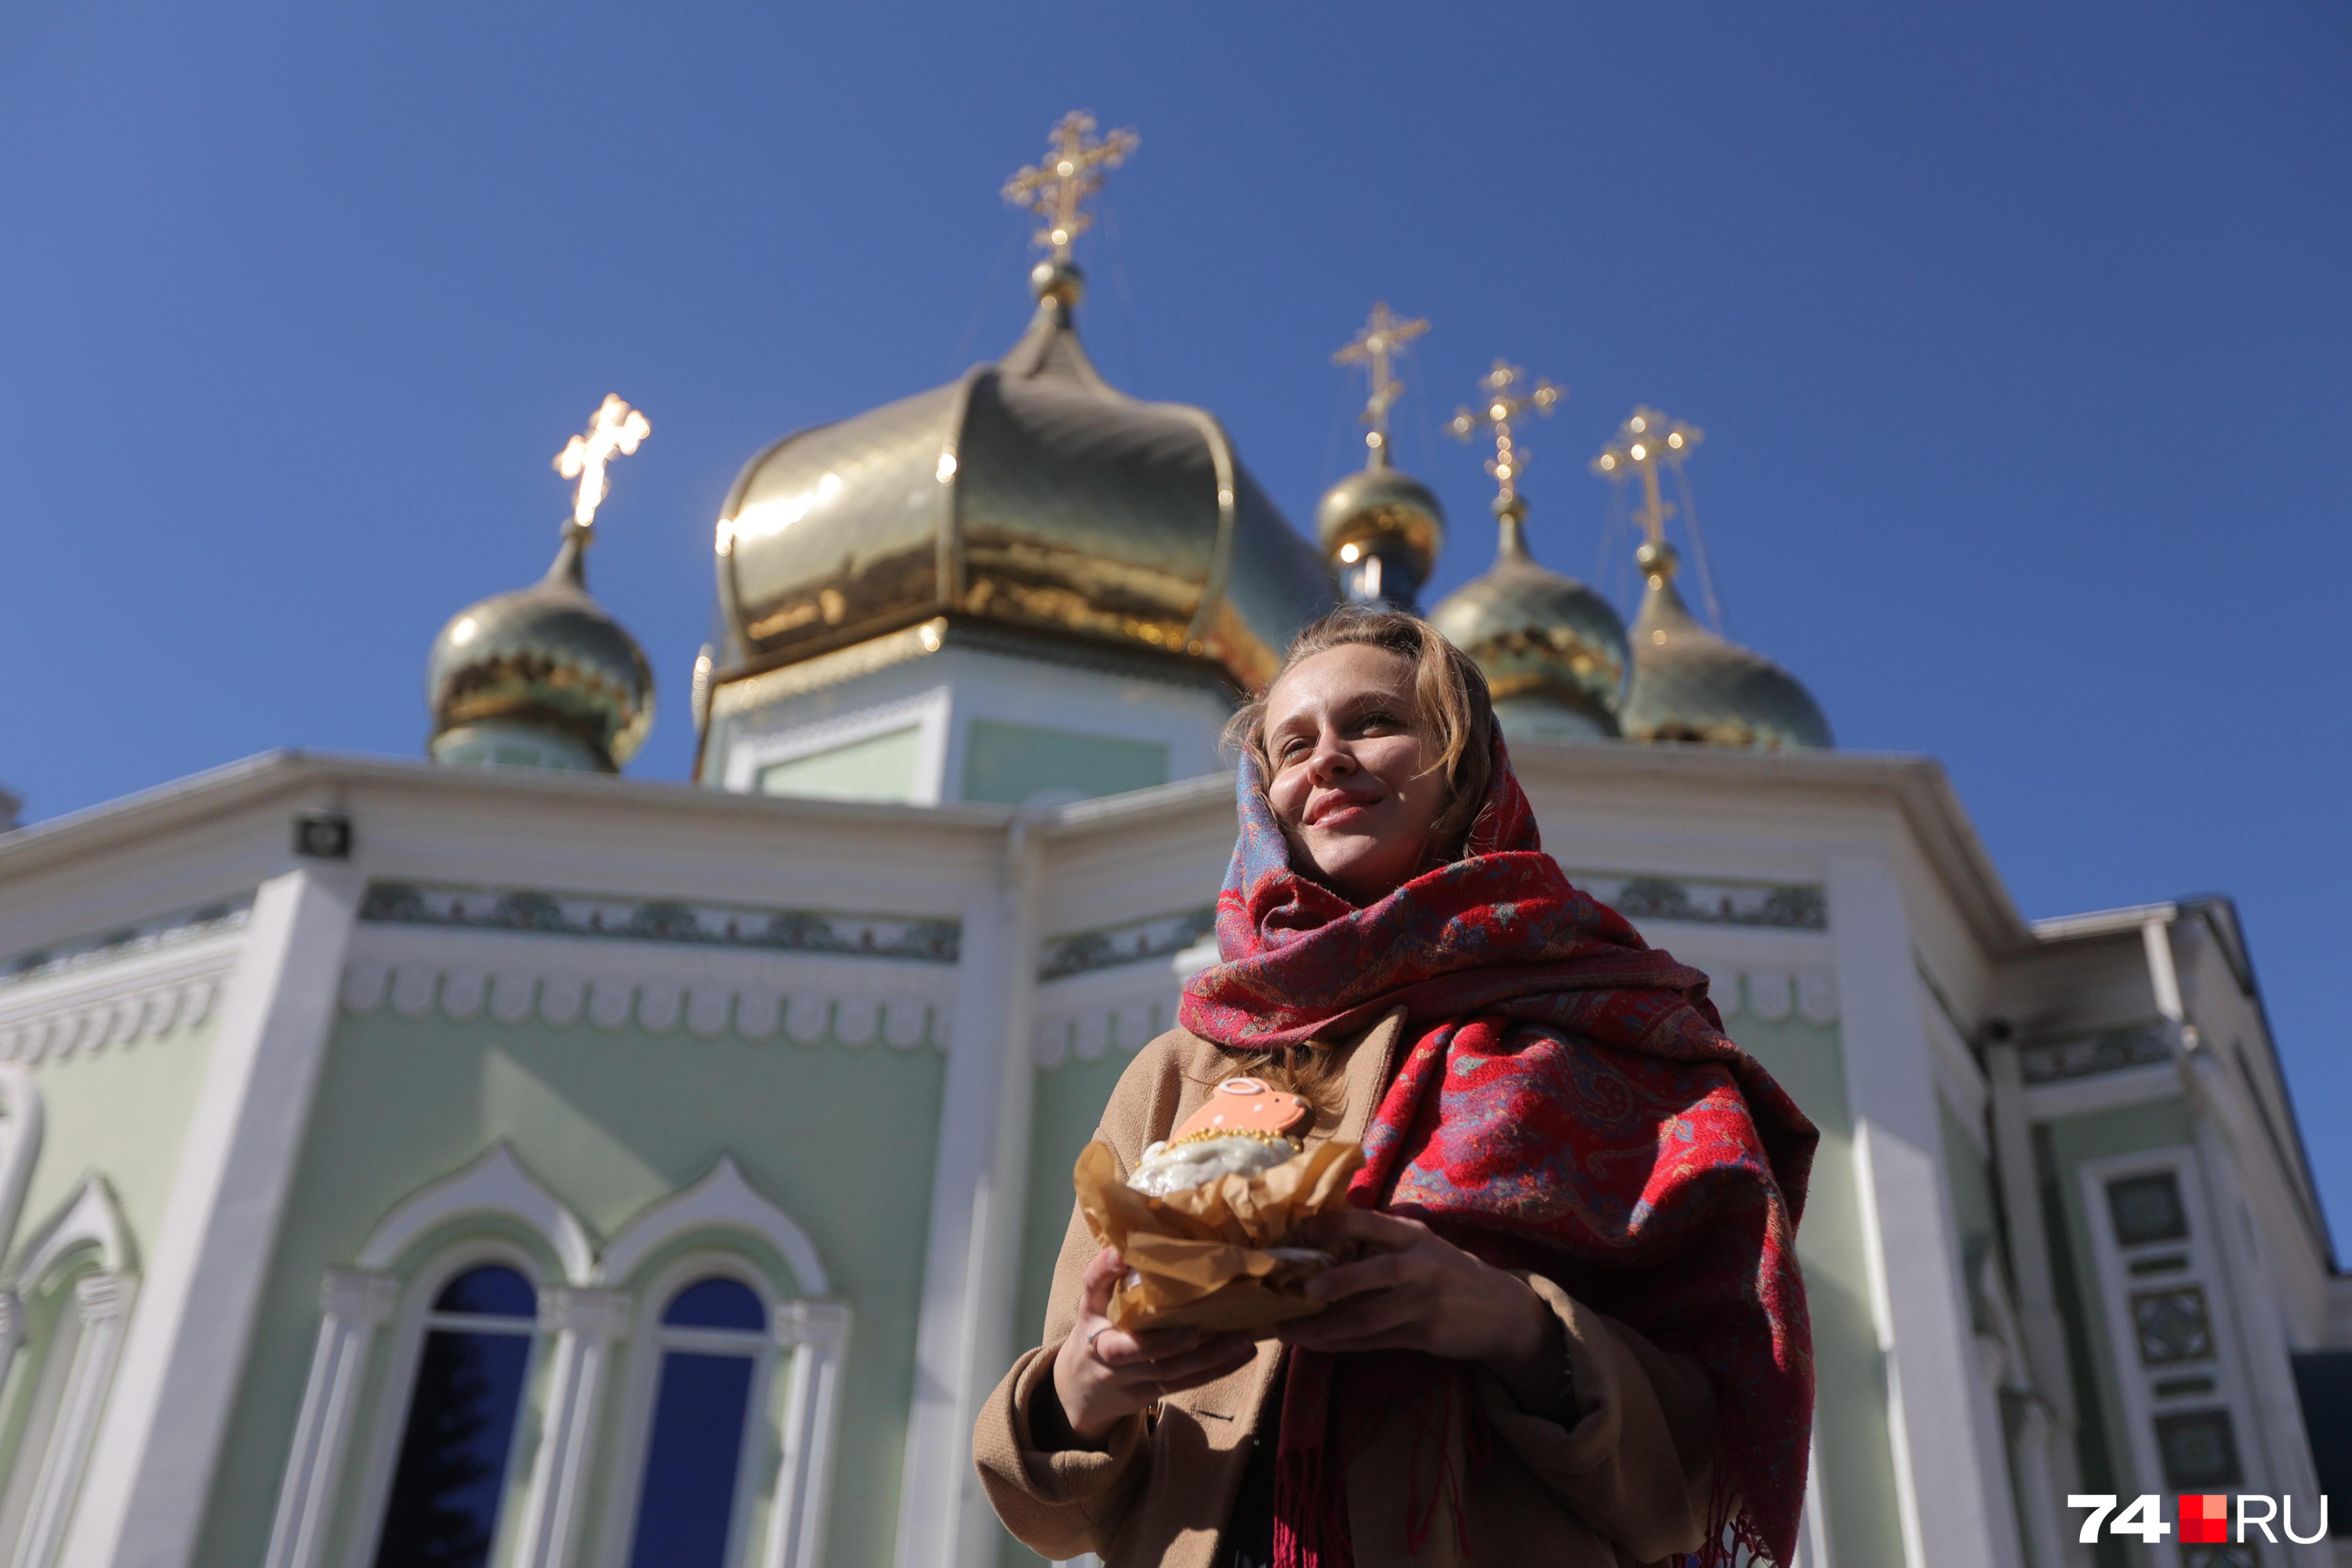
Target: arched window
{"x": 455, "y": 1449}
{"x": 713, "y": 1341}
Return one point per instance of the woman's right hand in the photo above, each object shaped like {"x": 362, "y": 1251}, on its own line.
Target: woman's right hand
{"x": 1103, "y": 1375}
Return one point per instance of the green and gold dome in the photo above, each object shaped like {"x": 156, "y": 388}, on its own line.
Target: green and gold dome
{"x": 1692, "y": 685}
{"x": 544, "y": 677}
{"x": 1553, "y": 650}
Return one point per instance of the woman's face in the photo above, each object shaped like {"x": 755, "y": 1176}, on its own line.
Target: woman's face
{"x": 1355, "y": 782}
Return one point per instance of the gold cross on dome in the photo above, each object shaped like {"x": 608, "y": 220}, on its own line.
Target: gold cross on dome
{"x": 1382, "y": 339}
{"x": 1504, "y": 406}
{"x": 617, "y": 428}
{"x": 1648, "y": 439}
{"x": 1056, "y": 189}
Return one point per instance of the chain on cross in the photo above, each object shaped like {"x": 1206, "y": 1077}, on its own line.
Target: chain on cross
{"x": 1505, "y": 406}
{"x": 1056, "y": 189}
{"x": 1378, "y": 345}
{"x": 617, "y": 428}
{"x": 1646, "y": 441}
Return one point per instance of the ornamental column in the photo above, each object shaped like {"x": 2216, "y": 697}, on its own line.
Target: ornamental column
{"x": 816, "y": 1335}
{"x": 351, "y": 1305}
{"x": 586, "y": 1323}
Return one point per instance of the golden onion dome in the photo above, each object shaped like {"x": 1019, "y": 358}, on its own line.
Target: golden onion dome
{"x": 1029, "y": 493}
{"x": 543, "y": 677}
{"x": 1381, "y": 515}
{"x": 1553, "y": 649}
{"x": 1691, "y": 685}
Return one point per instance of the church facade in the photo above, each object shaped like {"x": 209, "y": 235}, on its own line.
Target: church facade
{"x": 498, "y": 1161}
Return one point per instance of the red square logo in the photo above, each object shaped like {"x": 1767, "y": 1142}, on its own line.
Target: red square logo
{"x": 2204, "y": 1518}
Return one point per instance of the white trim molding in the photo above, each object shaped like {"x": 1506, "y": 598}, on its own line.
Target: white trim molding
{"x": 1911, "y": 1250}
{"x": 721, "y": 1200}
{"x": 24, "y": 1119}
{"x": 816, "y": 1334}
{"x": 353, "y": 1306}
{"x": 585, "y": 1323}
{"x": 72, "y": 1392}
{"x": 152, "y": 1470}
{"x": 497, "y": 1184}
{"x": 412, "y": 1320}
{"x": 153, "y": 996}
{"x": 89, "y": 1217}
{"x": 510, "y": 978}
{"x": 101, "y": 1305}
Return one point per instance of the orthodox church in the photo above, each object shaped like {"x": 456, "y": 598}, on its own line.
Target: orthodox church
{"x": 494, "y": 1160}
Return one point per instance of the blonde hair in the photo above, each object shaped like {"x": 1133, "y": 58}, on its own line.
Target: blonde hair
{"x": 1448, "y": 688}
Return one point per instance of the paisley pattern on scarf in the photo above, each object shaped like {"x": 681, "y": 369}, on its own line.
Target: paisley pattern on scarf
{"x": 1568, "y": 1103}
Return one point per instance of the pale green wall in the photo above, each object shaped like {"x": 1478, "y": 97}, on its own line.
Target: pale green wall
{"x": 1007, "y": 763}
{"x": 843, "y": 1139}
{"x": 122, "y": 1111}
{"x": 879, "y": 767}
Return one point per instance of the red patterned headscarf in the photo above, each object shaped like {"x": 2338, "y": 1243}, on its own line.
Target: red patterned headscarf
{"x": 1567, "y": 1102}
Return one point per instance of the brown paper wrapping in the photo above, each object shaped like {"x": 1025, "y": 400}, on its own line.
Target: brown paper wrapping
{"x": 1199, "y": 1258}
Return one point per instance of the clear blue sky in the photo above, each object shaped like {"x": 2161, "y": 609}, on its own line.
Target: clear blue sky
{"x": 2020, "y": 333}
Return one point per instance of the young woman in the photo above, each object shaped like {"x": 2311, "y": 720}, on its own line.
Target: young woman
{"x": 1569, "y": 1328}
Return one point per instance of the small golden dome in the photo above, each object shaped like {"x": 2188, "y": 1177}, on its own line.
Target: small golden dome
{"x": 1550, "y": 648}
{"x": 1381, "y": 511}
{"x": 1028, "y": 492}
{"x": 1692, "y": 686}
{"x": 543, "y": 677}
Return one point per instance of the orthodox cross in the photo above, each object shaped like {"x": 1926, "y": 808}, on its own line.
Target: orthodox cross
{"x": 1505, "y": 404}
{"x": 1383, "y": 338}
{"x": 1647, "y": 439}
{"x": 1056, "y": 189}
{"x": 617, "y": 428}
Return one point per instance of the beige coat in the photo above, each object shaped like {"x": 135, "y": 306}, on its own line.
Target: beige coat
{"x": 1626, "y": 1483}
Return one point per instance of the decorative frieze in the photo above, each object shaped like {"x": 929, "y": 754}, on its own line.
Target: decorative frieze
{"x": 1160, "y": 936}
{"x": 913, "y": 938}
{"x": 2141, "y": 1045}
{"x": 162, "y": 933}
{"x": 1646, "y": 896}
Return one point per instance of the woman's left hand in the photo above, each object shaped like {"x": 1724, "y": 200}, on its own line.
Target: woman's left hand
{"x": 1413, "y": 1289}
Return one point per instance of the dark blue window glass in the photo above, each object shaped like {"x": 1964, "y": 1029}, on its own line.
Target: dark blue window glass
{"x": 688, "y": 1499}
{"x": 716, "y": 1304}
{"x": 492, "y": 1292}
{"x": 443, "y": 1512}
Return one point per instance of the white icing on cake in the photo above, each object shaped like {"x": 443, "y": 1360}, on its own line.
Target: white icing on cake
{"x": 1197, "y": 1162}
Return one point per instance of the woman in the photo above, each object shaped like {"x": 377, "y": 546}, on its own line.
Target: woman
{"x": 1567, "y": 1327}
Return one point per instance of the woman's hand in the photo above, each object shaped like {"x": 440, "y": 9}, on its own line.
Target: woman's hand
{"x": 1415, "y": 1290}
{"x": 1103, "y": 1375}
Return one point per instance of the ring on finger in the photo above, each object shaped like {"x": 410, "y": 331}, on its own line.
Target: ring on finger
{"x": 1090, "y": 1343}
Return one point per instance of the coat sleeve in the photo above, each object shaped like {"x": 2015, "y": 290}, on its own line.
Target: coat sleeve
{"x": 1059, "y": 1502}
{"x": 1633, "y": 1456}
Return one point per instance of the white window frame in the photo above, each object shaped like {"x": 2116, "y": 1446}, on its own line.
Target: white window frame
{"x": 85, "y": 1247}
{"x": 415, "y": 1320}
{"x": 495, "y": 1198}
{"x": 797, "y": 1434}
{"x": 2136, "y": 1383}
{"x": 653, "y": 1342}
